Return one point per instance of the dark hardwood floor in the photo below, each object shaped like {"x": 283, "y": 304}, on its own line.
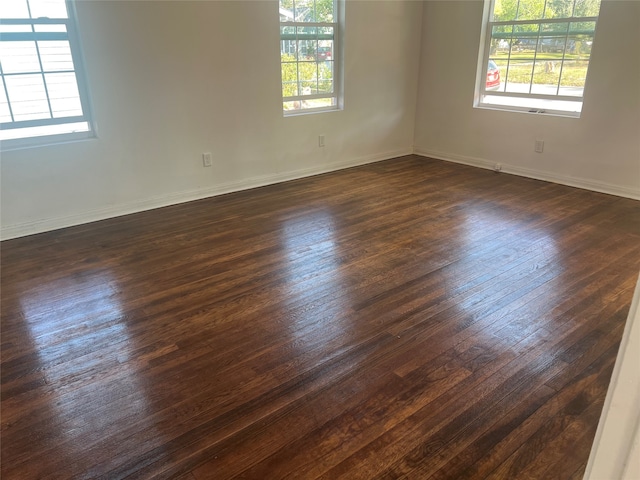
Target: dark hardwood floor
{"x": 410, "y": 318}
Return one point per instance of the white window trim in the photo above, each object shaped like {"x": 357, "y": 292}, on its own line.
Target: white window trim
{"x": 72, "y": 36}
{"x": 481, "y": 69}
{"x": 338, "y": 75}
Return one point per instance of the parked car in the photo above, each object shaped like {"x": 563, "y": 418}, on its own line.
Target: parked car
{"x": 525, "y": 44}
{"x": 493, "y": 76}
{"x": 324, "y": 53}
{"x": 553, "y": 45}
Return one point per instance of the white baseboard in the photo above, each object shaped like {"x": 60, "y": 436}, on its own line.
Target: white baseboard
{"x": 47, "y": 224}
{"x": 531, "y": 173}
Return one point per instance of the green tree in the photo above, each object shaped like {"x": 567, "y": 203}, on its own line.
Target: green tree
{"x": 288, "y": 4}
{"x": 305, "y": 78}
{"x": 507, "y": 10}
{"x": 583, "y": 8}
{"x": 310, "y": 10}
{"x": 325, "y": 10}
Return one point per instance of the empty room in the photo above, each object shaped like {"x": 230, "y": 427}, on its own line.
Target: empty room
{"x": 334, "y": 239}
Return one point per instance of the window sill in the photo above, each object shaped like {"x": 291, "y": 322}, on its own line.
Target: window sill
{"x": 535, "y": 110}
{"x": 310, "y": 111}
{"x": 45, "y": 141}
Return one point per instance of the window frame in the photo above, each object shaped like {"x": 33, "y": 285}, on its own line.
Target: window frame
{"x": 71, "y": 35}
{"x": 337, "y": 56}
{"x": 552, "y": 103}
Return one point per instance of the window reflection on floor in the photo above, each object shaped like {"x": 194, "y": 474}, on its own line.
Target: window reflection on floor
{"x": 493, "y": 237}
{"x": 71, "y": 317}
{"x": 313, "y": 277}
{"x": 310, "y": 250}
{"x": 86, "y": 356}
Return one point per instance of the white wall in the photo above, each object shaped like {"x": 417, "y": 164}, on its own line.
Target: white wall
{"x": 600, "y": 150}
{"x": 172, "y": 79}
{"x": 615, "y": 453}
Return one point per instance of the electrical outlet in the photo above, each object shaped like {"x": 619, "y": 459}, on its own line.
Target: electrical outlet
{"x": 206, "y": 159}
{"x": 321, "y": 140}
{"x": 539, "y": 146}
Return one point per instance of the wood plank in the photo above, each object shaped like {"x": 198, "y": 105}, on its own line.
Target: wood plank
{"x": 410, "y": 317}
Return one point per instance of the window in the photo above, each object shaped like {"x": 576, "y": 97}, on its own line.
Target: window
{"x": 43, "y": 96}
{"x": 309, "y": 55}
{"x": 535, "y": 54}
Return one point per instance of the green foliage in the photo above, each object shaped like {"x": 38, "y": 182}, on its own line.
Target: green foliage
{"x": 310, "y": 10}
{"x": 573, "y": 73}
{"x": 324, "y": 11}
{"x": 507, "y": 10}
{"x": 583, "y": 8}
{"x": 526, "y": 35}
{"x": 305, "y": 77}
